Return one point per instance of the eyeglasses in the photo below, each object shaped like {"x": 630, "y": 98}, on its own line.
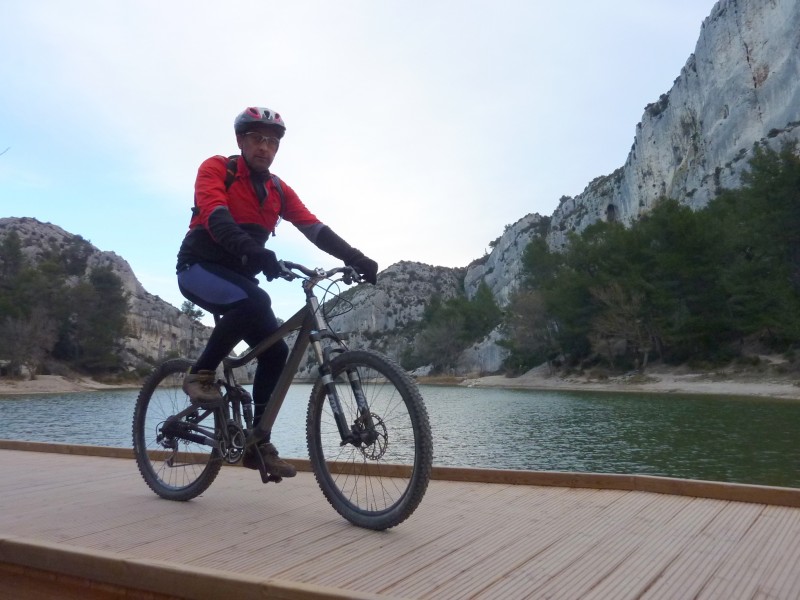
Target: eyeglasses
{"x": 258, "y": 139}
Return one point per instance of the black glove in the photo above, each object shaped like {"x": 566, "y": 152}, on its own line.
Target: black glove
{"x": 265, "y": 261}
{"x": 365, "y": 266}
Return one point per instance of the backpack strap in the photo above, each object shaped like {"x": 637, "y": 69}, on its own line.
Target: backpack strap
{"x": 230, "y": 170}
{"x": 230, "y": 174}
{"x": 277, "y": 183}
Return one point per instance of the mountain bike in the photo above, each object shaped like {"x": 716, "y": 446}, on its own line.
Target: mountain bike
{"x": 367, "y": 430}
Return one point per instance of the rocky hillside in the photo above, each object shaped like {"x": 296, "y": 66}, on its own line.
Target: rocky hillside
{"x": 156, "y": 328}
{"x": 383, "y": 317}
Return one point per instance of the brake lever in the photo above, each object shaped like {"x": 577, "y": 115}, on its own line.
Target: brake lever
{"x": 351, "y": 276}
{"x": 287, "y": 273}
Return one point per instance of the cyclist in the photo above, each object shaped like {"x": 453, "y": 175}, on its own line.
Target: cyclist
{"x": 223, "y": 252}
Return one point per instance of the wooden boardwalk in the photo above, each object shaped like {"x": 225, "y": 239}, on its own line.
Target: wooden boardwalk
{"x": 75, "y": 526}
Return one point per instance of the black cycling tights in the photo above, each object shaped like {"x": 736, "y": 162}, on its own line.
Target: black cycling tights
{"x": 246, "y": 314}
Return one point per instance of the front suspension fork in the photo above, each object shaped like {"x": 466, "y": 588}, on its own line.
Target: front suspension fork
{"x": 362, "y": 431}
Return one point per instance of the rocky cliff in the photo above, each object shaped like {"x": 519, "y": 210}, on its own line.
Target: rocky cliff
{"x": 501, "y": 269}
{"x": 383, "y": 317}
{"x": 740, "y": 87}
{"x": 156, "y": 328}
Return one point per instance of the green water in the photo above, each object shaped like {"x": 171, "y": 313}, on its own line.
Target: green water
{"x": 697, "y": 437}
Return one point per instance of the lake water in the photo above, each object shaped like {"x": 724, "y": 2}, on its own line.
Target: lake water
{"x": 697, "y": 437}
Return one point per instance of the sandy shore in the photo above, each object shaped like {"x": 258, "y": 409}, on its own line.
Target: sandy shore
{"x": 53, "y": 384}
{"x": 657, "y": 382}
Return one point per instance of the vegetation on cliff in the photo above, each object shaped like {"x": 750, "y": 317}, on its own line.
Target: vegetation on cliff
{"x": 56, "y": 310}
{"x": 447, "y": 328}
{"x": 679, "y": 285}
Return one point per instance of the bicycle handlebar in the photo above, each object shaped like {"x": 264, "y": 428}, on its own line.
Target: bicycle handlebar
{"x": 349, "y": 274}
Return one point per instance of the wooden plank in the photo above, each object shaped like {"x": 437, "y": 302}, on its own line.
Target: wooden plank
{"x": 89, "y": 514}
{"x": 621, "y": 542}
{"x": 746, "y": 568}
{"x": 783, "y": 580}
{"x": 428, "y": 551}
{"x": 494, "y": 551}
{"x": 134, "y": 576}
{"x": 37, "y": 584}
{"x": 695, "y": 547}
{"x": 530, "y": 570}
{"x": 655, "y": 545}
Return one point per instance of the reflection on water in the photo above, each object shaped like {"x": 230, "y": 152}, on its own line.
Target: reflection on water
{"x": 698, "y": 437}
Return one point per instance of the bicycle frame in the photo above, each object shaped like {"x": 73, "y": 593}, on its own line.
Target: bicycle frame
{"x": 312, "y": 330}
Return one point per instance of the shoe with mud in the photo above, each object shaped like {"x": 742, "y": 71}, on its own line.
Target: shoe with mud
{"x": 275, "y": 464}
{"x": 202, "y": 388}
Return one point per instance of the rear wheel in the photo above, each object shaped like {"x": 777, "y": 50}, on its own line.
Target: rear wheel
{"x": 380, "y": 481}
{"x": 172, "y": 465}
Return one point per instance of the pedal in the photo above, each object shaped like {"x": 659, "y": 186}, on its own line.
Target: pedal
{"x": 266, "y": 476}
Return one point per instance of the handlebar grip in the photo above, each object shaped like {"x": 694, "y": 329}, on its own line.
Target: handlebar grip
{"x": 286, "y": 272}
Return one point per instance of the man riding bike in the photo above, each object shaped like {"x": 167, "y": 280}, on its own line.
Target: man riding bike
{"x": 238, "y": 203}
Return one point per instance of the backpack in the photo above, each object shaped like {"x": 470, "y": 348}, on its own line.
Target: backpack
{"x": 230, "y": 174}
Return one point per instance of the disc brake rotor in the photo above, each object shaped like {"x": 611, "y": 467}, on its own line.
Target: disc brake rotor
{"x": 377, "y": 449}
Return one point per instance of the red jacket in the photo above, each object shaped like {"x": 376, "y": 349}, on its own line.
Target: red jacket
{"x": 256, "y": 219}
{"x": 241, "y": 198}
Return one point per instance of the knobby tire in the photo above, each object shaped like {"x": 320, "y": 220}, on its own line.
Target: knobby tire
{"x": 186, "y": 469}
{"x": 379, "y": 485}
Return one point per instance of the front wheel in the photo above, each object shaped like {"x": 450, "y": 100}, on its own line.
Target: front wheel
{"x": 172, "y": 457}
{"x": 378, "y": 482}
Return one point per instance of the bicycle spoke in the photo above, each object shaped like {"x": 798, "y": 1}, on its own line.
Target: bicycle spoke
{"x": 377, "y": 483}
{"x": 173, "y": 466}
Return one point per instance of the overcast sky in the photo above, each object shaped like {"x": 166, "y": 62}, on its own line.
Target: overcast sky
{"x": 416, "y": 129}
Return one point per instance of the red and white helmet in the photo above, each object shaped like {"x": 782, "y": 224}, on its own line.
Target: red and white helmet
{"x": 257, "y": 115}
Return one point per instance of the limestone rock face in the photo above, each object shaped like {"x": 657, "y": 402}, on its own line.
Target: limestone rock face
{"x": 382, "y": 317}
{"x": 501, "y": 269}
{"x": 404, "y": 290}
{"x": 156, "y": 328}
{"x": 739, "y": 88}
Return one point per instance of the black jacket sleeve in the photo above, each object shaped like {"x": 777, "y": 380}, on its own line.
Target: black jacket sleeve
{"x": 329, "y": 242}
{"x": 228, "y": 234}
